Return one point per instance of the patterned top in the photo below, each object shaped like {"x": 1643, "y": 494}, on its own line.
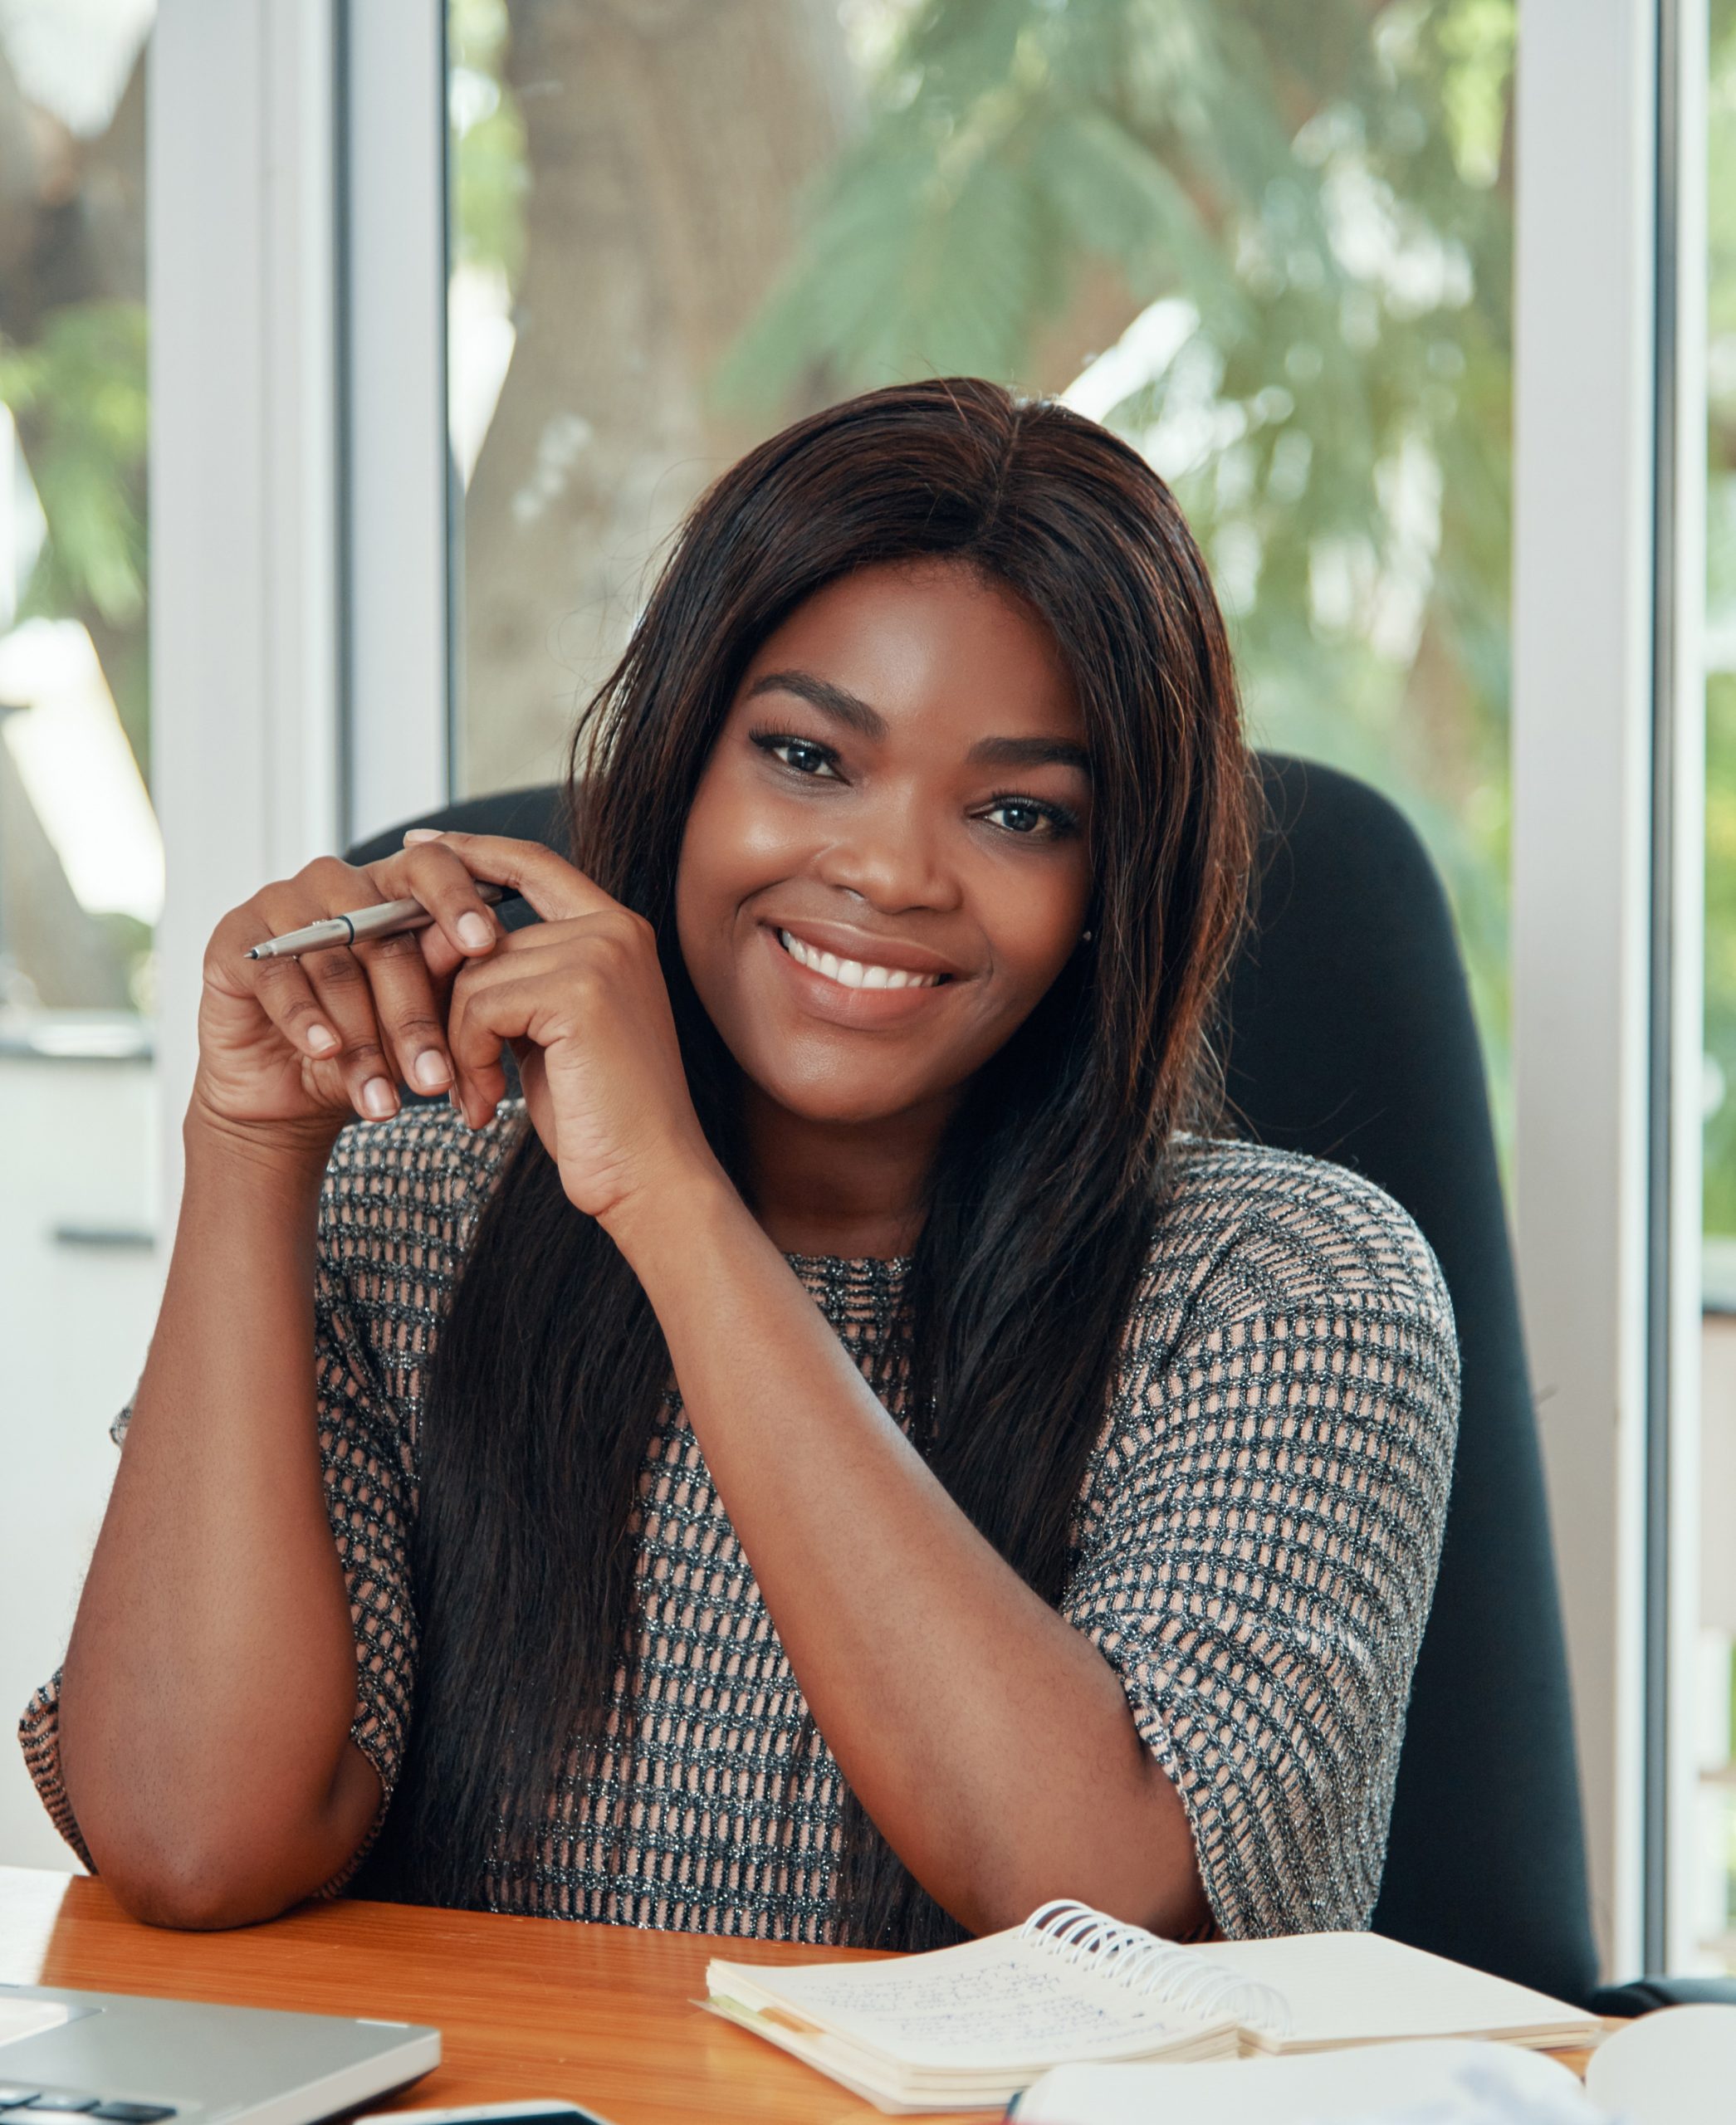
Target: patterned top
{"x": 1255, "y": 1546}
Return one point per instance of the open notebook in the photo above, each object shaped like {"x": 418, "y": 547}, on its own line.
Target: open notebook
{"x": 967, "y": 2028}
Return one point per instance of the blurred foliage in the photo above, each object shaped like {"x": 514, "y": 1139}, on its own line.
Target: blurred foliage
{"x": 79, "y": 396}
{"x": 490, "y": 168}
{"x": 1719, "y": 1201}
{"x": 1305, "y": 215}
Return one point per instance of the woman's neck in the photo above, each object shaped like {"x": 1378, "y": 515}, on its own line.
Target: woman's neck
{"x": 846, "y": 1189}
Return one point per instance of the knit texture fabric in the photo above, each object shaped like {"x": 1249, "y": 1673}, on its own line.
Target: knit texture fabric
{"x": 1255, "y": 1548}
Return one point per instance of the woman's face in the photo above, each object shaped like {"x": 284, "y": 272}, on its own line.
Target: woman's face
{"x": 887, "y": 862}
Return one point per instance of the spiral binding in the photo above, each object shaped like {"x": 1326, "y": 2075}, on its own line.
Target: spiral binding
{"x": 1130, "y": 1956}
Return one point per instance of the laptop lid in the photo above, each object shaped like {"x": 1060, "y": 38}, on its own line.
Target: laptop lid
{"x": 114, "y": 2058}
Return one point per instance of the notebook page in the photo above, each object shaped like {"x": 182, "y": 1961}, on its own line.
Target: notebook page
{"x": 1358, "y": 1988}
{"x": 1443, "y": 2081}
{"x": 990, "y": 2004}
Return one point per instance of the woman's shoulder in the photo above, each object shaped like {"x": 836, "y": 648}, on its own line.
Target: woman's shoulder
{"x": 1246, "y": 1228}
{"x": 424, "y": 1177}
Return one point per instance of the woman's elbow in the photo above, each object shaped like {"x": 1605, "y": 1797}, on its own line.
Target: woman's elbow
{"x": 201, "y": 1876}
{"x": 194, "y": 1853}
{"x": 190, "y": 1898}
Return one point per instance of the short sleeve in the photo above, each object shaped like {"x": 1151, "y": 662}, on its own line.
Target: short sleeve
{"x": 397, "y": 1210}
{"x": 1256, "y": 1541}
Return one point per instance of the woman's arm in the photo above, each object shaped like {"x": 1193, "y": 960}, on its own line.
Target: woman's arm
{"x": 989, "y": 1740}
{"x": 210, "y": 1684}
{"x": 208, "y": 1694}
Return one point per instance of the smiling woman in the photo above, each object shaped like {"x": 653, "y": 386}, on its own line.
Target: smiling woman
{"x": 848, "y": 1457}
{"x": 854, "y": 830}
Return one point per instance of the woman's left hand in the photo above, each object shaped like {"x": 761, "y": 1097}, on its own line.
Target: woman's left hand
{"x": 581, "y": 997}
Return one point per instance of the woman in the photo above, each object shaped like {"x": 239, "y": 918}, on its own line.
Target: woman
{"x": 841, "y": 1461}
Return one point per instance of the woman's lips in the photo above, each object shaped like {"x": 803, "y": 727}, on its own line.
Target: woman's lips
{"x": 846, "y": 941}
{"x": 823, "y": 997}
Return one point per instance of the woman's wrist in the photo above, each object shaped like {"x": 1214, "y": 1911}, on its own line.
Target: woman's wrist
{"x": 291, "y": 1154}
{"x": 662, "y": 1225}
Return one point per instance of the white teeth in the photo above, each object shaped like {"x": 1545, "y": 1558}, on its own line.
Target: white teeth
{"x": 853, "y": 974}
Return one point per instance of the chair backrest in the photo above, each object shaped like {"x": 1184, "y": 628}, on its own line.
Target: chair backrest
{"x": 1350, "y": 1037}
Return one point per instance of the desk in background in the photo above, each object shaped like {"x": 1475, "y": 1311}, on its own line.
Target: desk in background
{"x": 601, "y": 2015}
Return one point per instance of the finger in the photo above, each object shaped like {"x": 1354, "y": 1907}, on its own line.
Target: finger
{"x": 340, "y": 983}
{"x": 440, "y": 956}
{"x": 556, "y": 889}
{"x": 284, "y": 994}
{"x": 405, "y": 1008}
{"x": 283, "y": 988}
{"x": 427, "y": 871}
{"x": 324, "y": 887}
{"x": 492, "y": 1009}
{"x": 524, "y": 997}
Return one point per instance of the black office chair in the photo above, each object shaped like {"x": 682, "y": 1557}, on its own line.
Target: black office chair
{"x": 1350, "y": 1037}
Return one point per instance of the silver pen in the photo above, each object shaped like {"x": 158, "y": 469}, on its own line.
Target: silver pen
{"x": 389, "y": 918}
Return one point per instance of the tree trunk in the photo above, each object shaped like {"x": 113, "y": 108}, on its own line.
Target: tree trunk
{"x": 669, "y": 142}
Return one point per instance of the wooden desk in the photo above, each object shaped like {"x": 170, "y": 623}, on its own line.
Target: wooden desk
{"x": 599, "y": 2014}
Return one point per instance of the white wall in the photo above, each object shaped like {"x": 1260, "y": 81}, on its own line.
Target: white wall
{"x": 75, "y": 1320}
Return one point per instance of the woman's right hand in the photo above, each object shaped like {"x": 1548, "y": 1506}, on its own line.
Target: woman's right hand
{"x": 299, "y": 1048}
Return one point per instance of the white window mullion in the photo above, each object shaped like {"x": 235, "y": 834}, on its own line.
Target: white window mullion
{"x": 244, "y": 670}
{"x": 1582, "y": 750}
{"x": 1679, "y": 879}
{"x": 398, "y": 617}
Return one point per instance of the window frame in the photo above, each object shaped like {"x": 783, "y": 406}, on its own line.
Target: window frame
{"x": 303, "y": 528}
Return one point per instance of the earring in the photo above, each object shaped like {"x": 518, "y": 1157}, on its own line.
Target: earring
{"x": 1085, "y": 939}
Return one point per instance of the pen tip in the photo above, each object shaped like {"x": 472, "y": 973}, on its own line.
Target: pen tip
{"x": 253, "y": 952}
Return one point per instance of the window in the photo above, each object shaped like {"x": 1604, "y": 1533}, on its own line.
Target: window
{"x": 1713, "y": 1917}
{"x": 1271, "y": 245}
{"x": 80, "y": 858}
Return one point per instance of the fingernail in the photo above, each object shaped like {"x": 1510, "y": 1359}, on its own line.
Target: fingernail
{"x": 322, "y": 1039}
{"x": 421, "y": 834}
{"x": 430, "y": 1072}
{"x": 476, "y": 931}
{"x": 378, "y": 1099}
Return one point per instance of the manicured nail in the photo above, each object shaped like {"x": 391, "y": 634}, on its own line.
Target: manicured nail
{"x": 378, "y": 1099}
{"x": 476, "y": 930}
{"x": 430, "y": 1072}
{"x": 421, "y": 834}
{"x": 322, "y": 1039}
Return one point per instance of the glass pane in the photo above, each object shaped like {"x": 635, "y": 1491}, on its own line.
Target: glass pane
{"x": 1271, "y": 244}
{"x": 80, "y": 860}
{"x": 1715, "y": 1915}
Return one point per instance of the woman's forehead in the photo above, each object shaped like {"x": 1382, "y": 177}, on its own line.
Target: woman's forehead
{"x": 926, "y": 639}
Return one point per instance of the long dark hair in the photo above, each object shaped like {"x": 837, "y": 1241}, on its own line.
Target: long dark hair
{"x": 550, "y": 1372}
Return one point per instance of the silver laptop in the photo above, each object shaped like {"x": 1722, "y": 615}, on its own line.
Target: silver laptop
{"x": 118, "y": 2060}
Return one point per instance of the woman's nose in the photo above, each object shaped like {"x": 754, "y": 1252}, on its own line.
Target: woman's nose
{"x": 893, "y": 856}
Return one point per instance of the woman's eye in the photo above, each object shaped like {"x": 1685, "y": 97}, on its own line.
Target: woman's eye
{"x": 801, "y": 755}
{"x": 1026, "y": 820}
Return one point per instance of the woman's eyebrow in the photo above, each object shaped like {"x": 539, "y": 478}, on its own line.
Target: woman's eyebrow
{"x": 837, "y": 702}
{"x": 855, "y": 713}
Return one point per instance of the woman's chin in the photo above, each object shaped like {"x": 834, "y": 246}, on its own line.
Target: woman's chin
{"x": 831, "y": 1100}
